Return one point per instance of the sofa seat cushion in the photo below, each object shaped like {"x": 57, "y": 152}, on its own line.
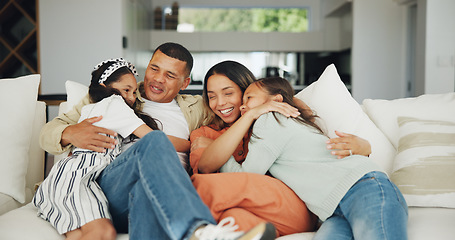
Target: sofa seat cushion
{"x": 298, "y": 236}
{"x": 431, "y": 223}
{"x": 424, "y": 224}
{"x": 7, "y": 203}
{"x": 23, "y": 223}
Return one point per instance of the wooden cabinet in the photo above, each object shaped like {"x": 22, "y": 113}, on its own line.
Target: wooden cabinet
{"x": 18, "y": 38}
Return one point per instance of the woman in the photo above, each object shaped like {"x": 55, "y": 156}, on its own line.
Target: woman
{"x": 254, "y": 198}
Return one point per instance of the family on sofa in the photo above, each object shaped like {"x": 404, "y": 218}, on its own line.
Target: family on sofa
{"x": 148, "y": 184}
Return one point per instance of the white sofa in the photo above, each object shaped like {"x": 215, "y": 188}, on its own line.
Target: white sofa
{"x": 21, "y": 157}
{"x": 35, "y": 168}
{"x": 375, "y": 120}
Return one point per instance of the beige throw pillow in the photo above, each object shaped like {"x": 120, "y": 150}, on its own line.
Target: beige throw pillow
{"x": 424, "y": 167}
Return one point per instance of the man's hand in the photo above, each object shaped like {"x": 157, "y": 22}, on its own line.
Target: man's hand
{"x": 86, "y": 135}
{"x": 344, "y": 142}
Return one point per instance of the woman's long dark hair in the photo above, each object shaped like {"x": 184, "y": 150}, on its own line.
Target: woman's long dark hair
{"x": 278, "y": 85}
{"x": 98, "y": 92}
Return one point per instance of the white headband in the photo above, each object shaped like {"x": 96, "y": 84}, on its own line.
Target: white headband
{"x": 119, "y": 62}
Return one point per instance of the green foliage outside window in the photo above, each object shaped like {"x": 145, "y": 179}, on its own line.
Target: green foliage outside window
{"x": 245, "y": 20}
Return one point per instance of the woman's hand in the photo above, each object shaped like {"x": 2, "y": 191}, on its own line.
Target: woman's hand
{"x": 200, "y": 142}
{"x": 273, "y": 106}
{"x": 347, "y": 144}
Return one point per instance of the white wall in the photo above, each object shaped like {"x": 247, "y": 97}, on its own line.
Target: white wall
{"x": 378, "y": 69}
{"x": 379, "y": 48}
{"x": 440, "y": 46}
{"x": 73, "y": 37}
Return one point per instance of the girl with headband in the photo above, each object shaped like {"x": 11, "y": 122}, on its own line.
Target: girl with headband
{"x": 70, "y": 198}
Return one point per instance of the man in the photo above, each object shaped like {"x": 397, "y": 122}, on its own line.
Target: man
{"x": 150, "y": 194}
{"x": 167, "y": 73}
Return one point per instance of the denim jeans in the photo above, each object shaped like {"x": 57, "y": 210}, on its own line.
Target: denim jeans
{"x": 372, "y": 209}
{"x": 150, "y": 194}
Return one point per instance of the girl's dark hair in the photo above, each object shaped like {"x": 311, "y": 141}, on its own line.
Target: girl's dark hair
{"x": 278, "y": 85}
{"x": 237, "y": 73}
{"x": 98, "y": 92}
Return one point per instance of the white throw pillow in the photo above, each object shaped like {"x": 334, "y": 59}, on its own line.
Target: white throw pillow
{"x": 75, "y": 92}
{"x": 384, "y": 113}
{"x": 424, "y": 168}
{"x": 18, "y": 103}
{"x": 331, "y": 100}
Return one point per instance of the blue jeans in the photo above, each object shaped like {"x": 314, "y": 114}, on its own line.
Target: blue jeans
{"x": 372, "y": 209}
{"x": 150, "y": 194}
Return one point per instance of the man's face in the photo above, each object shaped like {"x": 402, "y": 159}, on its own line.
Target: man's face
{"x": 164, "y": 78}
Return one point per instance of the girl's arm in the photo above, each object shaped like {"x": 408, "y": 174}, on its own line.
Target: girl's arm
{"x": 219, "y": 151}
{"x": 260, "y": 155}
{"x": 180, "y": 144}
{"x": 142, "y": 130}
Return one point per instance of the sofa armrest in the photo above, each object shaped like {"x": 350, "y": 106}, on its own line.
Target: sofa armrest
{"x": 35, "y": 171}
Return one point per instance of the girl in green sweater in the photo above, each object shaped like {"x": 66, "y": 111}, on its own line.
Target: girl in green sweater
{"x": 352, "y": 196}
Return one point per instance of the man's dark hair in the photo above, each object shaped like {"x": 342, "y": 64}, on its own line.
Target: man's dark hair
{"x": 177, "y": 51}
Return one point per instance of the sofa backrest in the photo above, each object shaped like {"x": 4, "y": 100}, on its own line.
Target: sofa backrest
{"x": 63, "y": 107}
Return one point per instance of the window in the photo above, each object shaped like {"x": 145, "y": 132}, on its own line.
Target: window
{"x": 225, "y": 19}
{"x": 261, "y": 64}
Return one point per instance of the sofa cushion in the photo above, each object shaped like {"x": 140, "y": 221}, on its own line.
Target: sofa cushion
{"x": 384, "y": 113}
{"x": 431, "y": 223}
{"x": 331, "y": 100}
{"x": 424, "y": 168}
{"x": 23, "y": 223}
{"x": 18, "y": 102}
{"x": 75, "y": 92}
{"x": 7, "y": 203}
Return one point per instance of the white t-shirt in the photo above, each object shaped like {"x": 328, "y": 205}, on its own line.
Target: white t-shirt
{"x": 117, "y": 115}
{"x": 171, "y": 122}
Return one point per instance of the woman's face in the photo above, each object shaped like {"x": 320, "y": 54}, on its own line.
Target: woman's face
{"x": 127, "y": 86}
{"x": 254, "y": 96}
{"x": 225, "y": 98}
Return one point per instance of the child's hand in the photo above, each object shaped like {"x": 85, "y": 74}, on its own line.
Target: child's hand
{"x": 347, "y": 144}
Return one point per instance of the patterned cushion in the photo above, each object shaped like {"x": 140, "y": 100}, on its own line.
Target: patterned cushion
{"x": 424, "y": 168}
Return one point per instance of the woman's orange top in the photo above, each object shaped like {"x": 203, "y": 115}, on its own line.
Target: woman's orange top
{"x": 212, "y": 133}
